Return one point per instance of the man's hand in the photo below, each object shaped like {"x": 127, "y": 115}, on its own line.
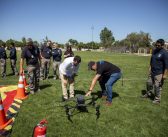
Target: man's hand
{"x": 88, "y": 93}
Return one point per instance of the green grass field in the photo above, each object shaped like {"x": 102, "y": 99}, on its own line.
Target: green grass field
{"x": 129, "y": 115}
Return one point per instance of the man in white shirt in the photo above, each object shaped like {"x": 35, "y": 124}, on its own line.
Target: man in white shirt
{"x": 68, "y": 70}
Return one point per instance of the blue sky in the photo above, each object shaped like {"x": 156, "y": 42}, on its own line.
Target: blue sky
{"x": 62, "y": 20}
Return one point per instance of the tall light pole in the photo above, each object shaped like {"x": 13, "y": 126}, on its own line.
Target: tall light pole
{"x": 92, "y": 28}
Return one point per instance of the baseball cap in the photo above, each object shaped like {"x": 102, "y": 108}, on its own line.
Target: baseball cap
{"x": 90, "y": 64}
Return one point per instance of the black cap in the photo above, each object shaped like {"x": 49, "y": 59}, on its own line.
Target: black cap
{"x": 90, "y": 64}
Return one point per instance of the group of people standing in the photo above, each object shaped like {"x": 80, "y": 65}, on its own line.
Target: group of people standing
{"x": 13, "y": 58}
{"x": 38, "y": 62}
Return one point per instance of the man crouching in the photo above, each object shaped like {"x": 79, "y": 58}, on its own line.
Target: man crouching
{"x": 68, "y": 70}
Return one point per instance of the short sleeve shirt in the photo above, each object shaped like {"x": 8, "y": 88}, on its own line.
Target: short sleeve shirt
{"x": 46, "y": 51}
{"x": 159, "y": 61}
{"x": 31, "y": 55}
{"x": 105, "y": 68}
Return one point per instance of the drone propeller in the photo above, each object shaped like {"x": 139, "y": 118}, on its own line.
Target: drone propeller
{"x": 68, "y": 113}
{"x": 97, "y": 111}
{"x": 80, "y": 105}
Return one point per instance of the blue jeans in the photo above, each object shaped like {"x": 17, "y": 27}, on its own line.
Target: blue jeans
{"x": 109, "y": 84}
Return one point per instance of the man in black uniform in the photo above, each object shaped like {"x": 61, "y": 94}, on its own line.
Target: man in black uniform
{"x": 46, "y": 53}
{"x": 57, "y": 56}
{"x": 157, "y": 71}
{"x": 3, "y": 58}
{"x": 13, "y": 59}
{"x": 32, "y": 55}
{"x": 107, "y": 74}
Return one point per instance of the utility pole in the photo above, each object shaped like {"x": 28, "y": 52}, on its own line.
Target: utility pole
{"x": 92, "y": 28}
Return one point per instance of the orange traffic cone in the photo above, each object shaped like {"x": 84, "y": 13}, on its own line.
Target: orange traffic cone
{"x": 24, "y": 79}
{"x": 21, "y": 89}
{"x": 3, "y": 121}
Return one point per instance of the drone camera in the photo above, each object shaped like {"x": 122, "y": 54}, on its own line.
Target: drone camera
{"x": 80, "y": 100}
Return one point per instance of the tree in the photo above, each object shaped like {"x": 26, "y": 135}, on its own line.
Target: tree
{"x": 2, "y": 43}
{"x": 137, "y": 40}
{"x": 8, "y": 42}
{"x": 36, "y": 43}
{"x": 73, "y": 42}
{"x": 24, "y": 41}
{"x": 19, "y": 44}
{"x": 145, "y": 39}
{"x": 106, "y": 37}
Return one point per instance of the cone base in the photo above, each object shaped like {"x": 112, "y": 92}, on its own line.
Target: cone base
{"x": 7, "y": 123}
{"x": 22, "y": 98}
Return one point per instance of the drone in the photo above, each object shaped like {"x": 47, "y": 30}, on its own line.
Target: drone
{"x": 81, "y": 104}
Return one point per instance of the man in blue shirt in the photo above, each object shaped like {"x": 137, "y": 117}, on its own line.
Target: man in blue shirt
{"x": 13, "y": 59}
{"x": 46, "y": 53}
{"x": 3, "y": 58}
{"x": 57, "y": 56}
{"x": 32, "y": 55}
{"x": 157, "y": 71}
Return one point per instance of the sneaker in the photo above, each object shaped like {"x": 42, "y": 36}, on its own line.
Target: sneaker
{"x": 156, "y": 101}
{"x": 104, "y": 97}
{"x": 64, "y": 99}
{"x": 147, "y": 95}
{"x": 32, "y": 92}
{"x": 3, "y": 75}
{"x": 108, "y": 103}
{"x": 41, "y": 78}
{"x": 37, "y": 89}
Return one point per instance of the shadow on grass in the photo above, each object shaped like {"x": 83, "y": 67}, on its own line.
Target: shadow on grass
{"x": 50, "y": 77}
{"x": 10, "y": 74}
{"x": 99, "y": 94}
{"x": 45, "y": 86}
{"x": 143, "y": 92}
{"x": 80, "y": 92}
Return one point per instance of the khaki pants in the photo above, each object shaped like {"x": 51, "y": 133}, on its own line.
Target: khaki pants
{"x": 13, "y": 66}
{"x": 44, "y": 70}
{"x": 3, "y": 66}
{"x": 33, "y": 76}
{"x": 56, "y": 65}
{"x": 65, "y": 81}
{"x": 154, "y": 83}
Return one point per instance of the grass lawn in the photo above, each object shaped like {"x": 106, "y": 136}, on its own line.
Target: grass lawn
{"x": 129, "y": 115}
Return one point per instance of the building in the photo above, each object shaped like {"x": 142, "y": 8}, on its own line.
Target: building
{"x": 166, "y": 45}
